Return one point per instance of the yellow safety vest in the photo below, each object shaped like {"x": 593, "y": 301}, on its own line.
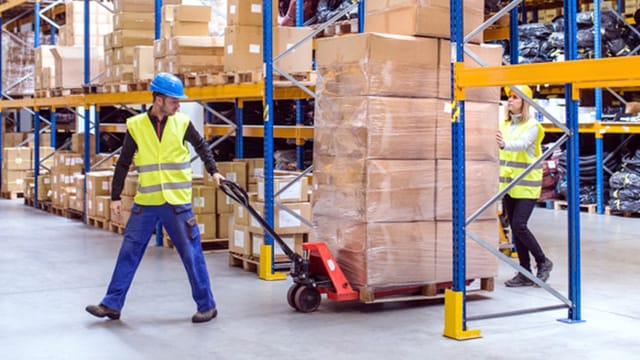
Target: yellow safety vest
{"x": 164, "y": 167}
{"x": 513, "y": 163}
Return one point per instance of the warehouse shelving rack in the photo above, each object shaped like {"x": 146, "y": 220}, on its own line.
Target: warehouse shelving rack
{"x": 575, "y": 75}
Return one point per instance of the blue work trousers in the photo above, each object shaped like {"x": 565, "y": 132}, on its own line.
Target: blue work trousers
{"x": 183, "y": 230}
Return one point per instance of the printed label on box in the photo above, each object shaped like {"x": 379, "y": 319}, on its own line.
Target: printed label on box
{"x": 232, "y": 9}
{"x": 293, "y": 192}
{"x": 231, "y": 176}
{"x": 256, "y": 8}
{"x": 105, "y": 185}
{"x": 238, "y": 238}
{"x": 230, "y": 49}
{"x": 100, "y": 207}
{"x": 288, "y": 220}
{"x": 201, "y": 228}
{"x": 254, "y": 48}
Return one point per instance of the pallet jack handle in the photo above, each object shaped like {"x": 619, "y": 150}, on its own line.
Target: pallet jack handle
{"x": 239, "y": 195}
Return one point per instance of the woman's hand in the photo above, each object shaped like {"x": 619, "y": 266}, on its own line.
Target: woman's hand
{"x": 500, "y": 140}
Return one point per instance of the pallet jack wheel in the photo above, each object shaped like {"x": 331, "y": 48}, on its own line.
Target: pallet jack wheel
{"x": 307, "y": 299}
{"x": 291, "y": 295}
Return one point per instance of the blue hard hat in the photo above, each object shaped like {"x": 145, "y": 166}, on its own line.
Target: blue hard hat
{"x": 168, "y": 84}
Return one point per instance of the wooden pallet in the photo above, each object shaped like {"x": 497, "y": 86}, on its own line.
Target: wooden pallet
{"x": 73, "y": 214}
{"x": 98, "y": 222}
{"x": 44, "y": 206}
{"x": 65, "y": 92}
{"x": 116, "y": 87}
{"x": 246, "y": 262}
{"x": 196, "y": 80}
{"x": 93, "y": 88}
{"x": 240, "y": 77}
{"x": 340, "y": 28}
{"x": 116, "y": 228}
{"x": 11, "y": 194}
{"x": 42, "y": 93}
{"x": 28, "y": 201}
{"x": 141, "y": 85}
{"x": 57, "y": 210}
{"x": 215, "y": 245}
{"x": 561, "y": 205}
{"x": 412, "y": 293}
{"x": 609, "y": 211}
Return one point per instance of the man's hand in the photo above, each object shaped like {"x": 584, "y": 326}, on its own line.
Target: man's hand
{"x": 218, "y": 177}
{"x": 116, "y": 206}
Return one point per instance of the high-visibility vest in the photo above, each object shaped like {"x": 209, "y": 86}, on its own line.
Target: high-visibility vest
{"x": 164, "y": 167}
{"x": 513, "y": 163}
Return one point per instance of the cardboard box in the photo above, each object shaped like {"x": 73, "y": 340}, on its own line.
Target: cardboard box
{"x": 16, "y": 158}
{"x": 203, "y": 199}
{"x": 375, "y": 127}
{"x": 489, "y": 53}
{"x": 143, "y": 63}
{"x": 481, "y": 180}
{"x": 134, "y": 21}
{"x": 103, "y": 207}
{"x": 206, "y": 225}
{"x": 127, "y": 37}
{"x": 130, "y": 185}
{"x": 248, "y": 12}
{"x": 240, "y": 240}
{"x": 283, "y": 221}
{"x": 184, "y": 28}
{"x": 294, "y": 241}
{"x": 192, "y": 13}
{"x": 68, "y": 161}
{"x": 377, "y": 64}
{"x": 481, "y": 124}
{"x": 241, "y": 216}
{"x": 12, "y": 139}
{"x": 297, "y": 192}
{"x": 191, "y": 45}
{"x": 127, "y": 202}
{"x": 44, "y": 187}
{"x": 255, "y": 169}
{"x": 69, "y": 59}
{"x": 224, "y": 224}
{"x": 99, "y": 183}
{"x": 243, "y": 48}
{"x": 298, "y": 60}
{"x": 420, "y": 17}
{"x": 77, "y": 143}
{"x": 13, "y": 180}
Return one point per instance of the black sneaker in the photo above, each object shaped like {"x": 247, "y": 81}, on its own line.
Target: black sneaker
{"x": 544, "y": 270}
{"x": 102, "y": 311}
{"x": 518, "y": 281}
{"x": 204, "y": 316}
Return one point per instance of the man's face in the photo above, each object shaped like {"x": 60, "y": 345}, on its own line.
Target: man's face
{"x": 168, "y": 105}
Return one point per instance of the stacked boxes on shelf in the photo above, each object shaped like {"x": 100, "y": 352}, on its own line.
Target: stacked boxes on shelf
{"x": 133, "y": 26}
{"x": 234, "y": 171}
{"x": 67, "y": 165}
{"x": 15, "y": 162}
{"x": 382, "y": 164}
{"x": 185, "y": 46}
{"x": 127, "y": 196}
{"x": 243, "y": 40}
{"x": 98, "y": 195}
{"x": 100, "y": 24}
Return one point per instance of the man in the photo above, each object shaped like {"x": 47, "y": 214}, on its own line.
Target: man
{"x": 156, "y": 141}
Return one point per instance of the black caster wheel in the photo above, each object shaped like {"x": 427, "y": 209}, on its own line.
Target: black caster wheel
{"x": 307, "y": 299}
{"x": 291, "y": 295}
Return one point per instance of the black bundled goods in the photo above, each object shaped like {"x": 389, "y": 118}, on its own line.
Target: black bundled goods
{"x": 584, "y": 19}
{"x": 630, "y": 37}
{"x": 625, "y": 194}
{"x": 535, "y": 30}
{"x": 558, "y": 24}
{"x": 529, "y": 48}
{"x": 556, "y": 39}
{"x": 585, "y": 38}
{"x": 617, "y": 47}
{"x": 623, "y": 205}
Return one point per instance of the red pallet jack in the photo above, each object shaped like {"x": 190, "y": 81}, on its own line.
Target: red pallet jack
{"x": 314, "y": 273}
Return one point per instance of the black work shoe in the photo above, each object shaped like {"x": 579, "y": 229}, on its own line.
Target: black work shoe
{"x": 102, "y": 311}
{"x": 544, "y": 270}
{"x": 204, "y": 316}
{"x": 518, "y": 281}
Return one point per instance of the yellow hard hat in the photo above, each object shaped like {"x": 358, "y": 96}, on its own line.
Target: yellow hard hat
{"x": 524, "y": 88}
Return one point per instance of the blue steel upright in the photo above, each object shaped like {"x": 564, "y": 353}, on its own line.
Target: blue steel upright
{"x": 239, "y": 105}
{"x": 299, "y": 103}
{"x": 573, "y": 171}
{"x": 87, "y": 52}
{"x": 267, "y": 40}
{"x": 597, "y": 45}
{"x": 458, "y": 163}
{"x": 36, "y": 115}
{"x": 514, "y": 54}
{"x": 361, "y": 7}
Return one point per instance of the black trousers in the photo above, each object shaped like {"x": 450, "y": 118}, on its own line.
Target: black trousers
{"x": 518, "y": 212}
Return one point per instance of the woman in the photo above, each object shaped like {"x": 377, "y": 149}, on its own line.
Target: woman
{"x": 520, "y": 139}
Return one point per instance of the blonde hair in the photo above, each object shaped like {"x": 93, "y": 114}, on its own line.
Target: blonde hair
{"x": 525, "y": 111}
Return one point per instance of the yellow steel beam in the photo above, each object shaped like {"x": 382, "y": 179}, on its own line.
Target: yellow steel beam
{"x": 281, "y": 132}
{"x": 113, "y": 128}
{"x": 582, "y": 128}
{"x": 131, "y": 97}
{"x": 11, "y": 4}
{"x": 18, "y": 103}
{"x": 59, "y": 101}
{"x": 226, "y": 92}
{"x": 600, "y": 71}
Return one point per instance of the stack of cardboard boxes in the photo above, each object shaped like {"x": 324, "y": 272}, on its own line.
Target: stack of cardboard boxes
{"x": 185, "y": 46}
{"x": 15, "y": 162}
{"x": 67, "y": 166}
{"x": 382, "y": 163}
{"x": 98, "y": 196}
{"x": 133, "y": 27}
{"x": 243, "y": 40}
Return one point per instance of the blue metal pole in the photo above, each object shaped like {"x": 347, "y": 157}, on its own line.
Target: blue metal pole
{"x": 239, "y": 105}
{"x": 458, "y": 164}
{"x": 53, "y": 128}
{"x": 97, "y": 128}
{"x": 87, "y": 48}
{"x": 299, "y": 103}
{"x": 523, "y": 12}
{"x": 361, "y": 16}
{"x": 158, "y": 11}
{"x": 597, "y": 44}
{"x": 620, "y": 6}
{"x": 267, "y": 33}
{"x": 513, "y": 36}
{"x": 573, "y": 171}
{"x": 36, "y": 116}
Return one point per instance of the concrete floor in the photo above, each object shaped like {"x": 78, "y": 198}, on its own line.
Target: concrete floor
{"x": 52, "y": 267}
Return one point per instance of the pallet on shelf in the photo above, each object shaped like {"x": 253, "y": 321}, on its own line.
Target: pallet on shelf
{"x": 98, "y": 222}
{"x": 65, "y": 91}
{"x": 42, "y": 93}
{"x": 12, "y": 194}
{"x": 561, "y": 205}
{"x": 340, "y": 28}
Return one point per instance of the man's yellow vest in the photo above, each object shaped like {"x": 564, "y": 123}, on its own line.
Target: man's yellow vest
{"x": 164, "y": 167}
{"x": 513, "y": 163}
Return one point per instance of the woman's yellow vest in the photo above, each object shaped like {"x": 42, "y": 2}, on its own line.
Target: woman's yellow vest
{"x": 513, "y": 163}
{"x": 164, "y": 167}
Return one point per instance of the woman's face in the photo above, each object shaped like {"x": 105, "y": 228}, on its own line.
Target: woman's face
{"x": 514, "y": 104}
